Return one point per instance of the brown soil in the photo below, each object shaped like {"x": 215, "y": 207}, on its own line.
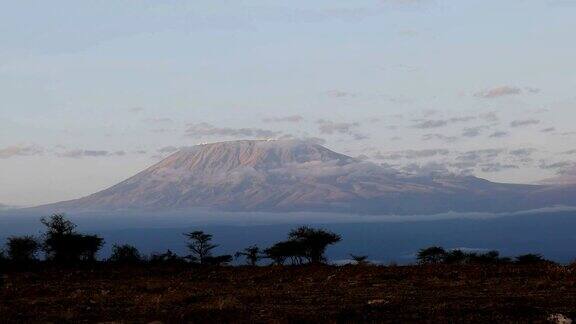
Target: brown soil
{"x": 432, "y": 294}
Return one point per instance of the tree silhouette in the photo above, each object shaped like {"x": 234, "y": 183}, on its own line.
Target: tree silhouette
{"x": 218, "y": 260}
{"x": 530, "y": 258}
{"x": 360, "y": 259}
{"x": 251, "y": 253}
{"x": 57, "y": 224}
{"x": 3, "y": 263}
{"x": 22, "y": 249}
{"x": 455, "y": 257}
{"x": 200, "y": 246}
{"x": 125, "y": 254}
{"x": 303, "y": 244}
{"x": 275, "y": 254}
{"x": 434, "y": 254}
{"x": 167, "y": 257}
{"x": 490, "y": 257}
{"x": 284, "y": 250}
{"x": 314, "y": 242}
{"x": 63, "y": 245}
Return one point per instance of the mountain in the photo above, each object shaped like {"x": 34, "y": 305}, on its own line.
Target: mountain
{"x": 7, "y": 207}
{"x": 565, "y": 179}
{"x": 280, "y": 176}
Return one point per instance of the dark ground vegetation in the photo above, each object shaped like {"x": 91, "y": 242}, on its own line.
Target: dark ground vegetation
{"x": 313, "y": 293}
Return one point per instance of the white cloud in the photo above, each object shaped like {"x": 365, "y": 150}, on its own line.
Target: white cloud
{"x": 285, "y": 119}
{"x": 499, "y": 92}
{"x": 524, "y": 122}
{"x": 80, "y": 153}
{"x": 20, "y": 150}
{"x": 205, "y": 129}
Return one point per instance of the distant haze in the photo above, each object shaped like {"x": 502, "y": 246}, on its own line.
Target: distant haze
{"x": 384, "y": 239}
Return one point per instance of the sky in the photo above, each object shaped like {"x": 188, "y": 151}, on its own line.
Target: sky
{"x": 94, "y": 91}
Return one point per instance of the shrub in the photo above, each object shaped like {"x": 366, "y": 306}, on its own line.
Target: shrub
{"x": 3, "y": 264}
{"x": 434, "y": 254}
{"x": 360, "y": 259}
{"x": 218, "y": 260}
{"x": 3, "y": 260}
{"x": 22, "y": 249}
{"x": 455, "y": 257}
{"x": 530, "y": 258}
{"x": 167, "y": 257}
{"x": 490, "y": 257}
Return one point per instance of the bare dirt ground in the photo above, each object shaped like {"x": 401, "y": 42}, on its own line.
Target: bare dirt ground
{"x": 505, "y": 293}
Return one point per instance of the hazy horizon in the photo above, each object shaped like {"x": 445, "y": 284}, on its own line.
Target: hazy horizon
{"x": 95, "y": 92}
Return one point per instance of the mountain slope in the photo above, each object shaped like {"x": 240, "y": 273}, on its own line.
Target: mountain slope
{"x": 298, "y": 176}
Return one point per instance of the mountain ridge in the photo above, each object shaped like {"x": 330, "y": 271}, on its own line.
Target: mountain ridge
{"x": 291, "y": 175}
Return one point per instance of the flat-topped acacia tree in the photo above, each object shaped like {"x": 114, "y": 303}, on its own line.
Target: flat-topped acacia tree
{"x": 200, "y": 246}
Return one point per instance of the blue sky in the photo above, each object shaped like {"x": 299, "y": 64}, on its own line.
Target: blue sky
{"x": 95, "y": 91}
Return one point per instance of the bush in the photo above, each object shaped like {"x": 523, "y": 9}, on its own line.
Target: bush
{"x": 125, "y": 254}
{"x": 455, "y": 257}
{"x": 437, "y": 254}
{"x": 434, "y": 254}
{"x": 530, "y": 258}
{"x": 490, "y": 257}
{"x": 360, "y": 259}
{"x": 22, "y": 249}
{"x": 167, "y": 257}
{"x": 219, "y": 260}
{"x": 3, "y": 260}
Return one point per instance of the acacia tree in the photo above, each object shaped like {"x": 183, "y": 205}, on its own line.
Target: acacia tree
{"x": 63, "y": 244}
{"x": 200, "y": 246}
{"x": 251, "y": 253}
{"x": 314, "y": 242}
{"x": 304, "y": 244}
{"x": 286, "y": 250}
{"x": 276, "y": 253}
